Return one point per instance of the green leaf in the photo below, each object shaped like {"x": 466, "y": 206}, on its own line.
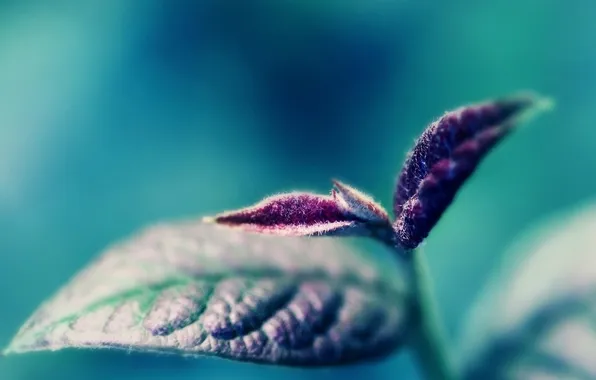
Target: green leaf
{"x": 537, "y": 317}
{"x": 199, "y": 289}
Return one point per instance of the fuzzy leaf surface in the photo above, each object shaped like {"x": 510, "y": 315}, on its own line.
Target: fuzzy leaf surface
{"x": 294, "y": 214}
{"x": 446, "y": 154}
{"x": 192, "y": 288}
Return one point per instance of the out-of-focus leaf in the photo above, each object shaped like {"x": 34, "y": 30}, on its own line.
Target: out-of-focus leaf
{"x": 537, "y": 318}
{"x": 198, "y": 289}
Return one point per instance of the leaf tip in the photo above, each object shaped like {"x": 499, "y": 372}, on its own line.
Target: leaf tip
{"x": 526, "y": 105}
{"x": 542, "y": 104}
{"x": 358, "y": 203}
{"x": 209, "y": 219}
{"x": 9, "y": 350}
{"x": 337, "y": 183}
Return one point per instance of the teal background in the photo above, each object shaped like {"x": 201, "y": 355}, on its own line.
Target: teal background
{"x": 116, "y": 114}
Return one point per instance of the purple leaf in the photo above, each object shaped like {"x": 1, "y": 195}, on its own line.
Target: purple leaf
{"x": 346, "y": 212}
{"x": 444, "y": 157}
{"x": 292, "y": 214}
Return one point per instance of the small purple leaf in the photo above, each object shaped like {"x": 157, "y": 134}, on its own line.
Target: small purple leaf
{"x": 445, "y": 156}
{"x": 347, "y": 211}
{"x": 359, "y": 204}
{"x": 294, "y": 214}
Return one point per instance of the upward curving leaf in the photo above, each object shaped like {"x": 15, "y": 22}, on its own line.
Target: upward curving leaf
{"x": 537, "y": 318}
{"x": 445, "y": 156}
{"x": 203, "y": 289}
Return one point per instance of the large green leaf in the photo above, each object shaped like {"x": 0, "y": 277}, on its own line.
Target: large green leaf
{"x": 197, "y": 289}
{"x": 537, "y": 318}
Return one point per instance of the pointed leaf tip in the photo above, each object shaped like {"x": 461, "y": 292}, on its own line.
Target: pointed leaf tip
{"x": 446, "y": 155}
{"x": 358, "y": 203}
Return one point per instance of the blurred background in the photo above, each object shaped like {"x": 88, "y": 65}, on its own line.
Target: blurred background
{"x": 115, "y": 114}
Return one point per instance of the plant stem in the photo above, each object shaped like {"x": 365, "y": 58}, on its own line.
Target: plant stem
{"x": 427, "y": 341}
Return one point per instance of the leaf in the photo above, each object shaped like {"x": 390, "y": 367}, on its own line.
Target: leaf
{"x": 294, "y": 214}
{"x": 537, "y": 317}
{"x": 445, "y": 156}
{"x": 202, "y": 289}
{"x": 346, "y": 212}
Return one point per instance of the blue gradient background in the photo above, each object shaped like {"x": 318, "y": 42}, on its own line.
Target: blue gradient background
{"x": 115, "y": 114}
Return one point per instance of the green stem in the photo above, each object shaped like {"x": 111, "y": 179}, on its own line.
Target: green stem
{"x": 427, "y": 341}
